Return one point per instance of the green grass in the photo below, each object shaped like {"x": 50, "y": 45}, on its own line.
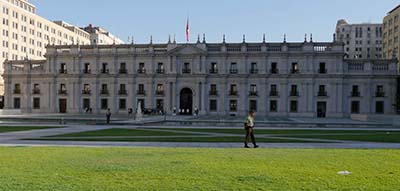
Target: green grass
{"x": 88, "y": 169}
{"x": 121, "y": 132}
{"x": 178, "y": 139}
{"x": 4, "y": 129}
{"x": 381, "y": 137}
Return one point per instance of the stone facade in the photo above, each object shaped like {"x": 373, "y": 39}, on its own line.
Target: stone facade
{"x": 391, "y": 33}
{"x": 275, "y": 79}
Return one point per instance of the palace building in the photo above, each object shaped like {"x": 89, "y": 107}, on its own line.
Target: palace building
{"x": 310, "y": 79}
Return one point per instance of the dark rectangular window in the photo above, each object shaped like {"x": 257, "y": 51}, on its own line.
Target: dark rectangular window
{"x": 213, "y": 105}
{"x": 122, "y": 104}
{"x": 232, "y": 105}
{"x": 355, "y": 107}
{"x": 355, "y": 91}
{"x": 273, "y": 106}
{"x": 322, "y": 68}
{"x": 17, "y": 103}
{"x": 86, "y": 104}
{"x": 253, "y": 105}
{"x": 379, "y": 107}
{"x": 233, "y": 69}
{"x": 104, "y": 104}
{"x": 295, "y": 68}
{"x": 274, "y": 68}
{"x": 293, "y": 106}
{"x": 86, "y": 69}
{"x": 36, "y": 103}
{"x": 160, "y": 105}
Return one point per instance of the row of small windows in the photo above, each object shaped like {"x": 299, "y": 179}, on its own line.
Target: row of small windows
{"x": 20, "y": 4}
{"x": 213, "y": 105}
{"x": 233, "y": 90}
{"x": 186, "y": 69}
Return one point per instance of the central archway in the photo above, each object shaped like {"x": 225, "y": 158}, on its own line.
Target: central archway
{"x": 186, "y": 102}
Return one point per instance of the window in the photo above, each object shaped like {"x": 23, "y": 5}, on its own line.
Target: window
{"x": 295, "y": 68}
{"x": 214, "y": 68}
{"x": 36, "y": 103}
{"x": 17, "y": 88}
{"x": 122, "y": 68}
{"x": 355, "y": 92}
{"x": 86, "y": 68}
{"x": 293, "y": 91}
{"x": 17, "y": 103}
{"x": 63, "y": 68}
{"x": 86, "y": 104}
{"x": 122, "y": 89}
{"x": 253, "y": 90}
{"x": 380, "y": 107}
{"x": 322, "y": 91}
{"x": 293, "y": 106}
{"x": 233, "y": 105}
{"x": 141, "y": 89}
{"x": 273, "y": 91}
{"x": 322, "y": 69}
{"x": 160, "y": 68}
{"x": 355, "y": 107}
{"x": 160, "y": 89}
{"x": 104, "y": 69}
{"x": 186, "y": 68}
{"x": 122, "y": 104}
{"x": 253, "y": 69}
{"x": 213, "y": 105}
{"x": 253, "y": 105}
{"x": 273, "y": 106}
{"x": 86, "y": 89}
{"x": 233, "y": 69}
{"x": 141, "y": 102}
{"x": 104, "y": 104}
{"x": 233, "y": 89}
{"x": 104, "y": 89}
{"x": 379, "y": 91}
{"x": 36, "y": 89}
{"x": 141, "y": 69}
{"x": 160, "y": 105}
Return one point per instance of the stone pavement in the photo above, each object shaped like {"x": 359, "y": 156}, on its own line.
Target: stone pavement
{"x": 15, "y": 139}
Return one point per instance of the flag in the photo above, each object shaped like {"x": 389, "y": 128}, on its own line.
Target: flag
{"x": 187, "y": 30}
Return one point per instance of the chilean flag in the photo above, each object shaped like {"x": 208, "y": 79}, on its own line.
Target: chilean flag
{"x": 187, "y": 30}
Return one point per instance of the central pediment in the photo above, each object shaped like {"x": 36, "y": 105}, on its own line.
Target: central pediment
{"x": 187, "y": 49}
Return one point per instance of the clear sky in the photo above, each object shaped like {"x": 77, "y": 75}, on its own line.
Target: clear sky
{"x": 142, "y": 18}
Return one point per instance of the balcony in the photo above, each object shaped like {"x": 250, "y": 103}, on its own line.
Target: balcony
{"x": 186, "y": 71}
{"x": 63, "y": 71}
{"x": 213, "y": 93}
{"x": 104, "y": 71}
{"x": 123, "y": 71}
{"x": 86, "y": 92}
{"x": 160, "y": 92}
{"x": 233, "y": 93}
{"x": 233, "y": 71}
{"x": 253, "y": 93}
{"x": 122, "y": 92}
{"x": 17, "y": 91}
{"x": 160, "y": 71}
{"x": 322, "y": 94}
{"x": 213, "y": 71}
{"x": 141, "y": 92}
{"x": 104, "y": 92}
{"x": 273, "y": 93}
{"x": 253, "y": 71}
{"x": 355, "y": 94}
{"x": 62, "y": 92}
{"x": 295, "y": 71}
{"x": 36, "y": 91}
{"x": 87, "y": 71}
{"x": 379, "y": 94}
{"x": 322, "y": 71}
{"x": 141, "y": 71}
{"x": 274, "y": 71}
{"x": 294, "y": 93}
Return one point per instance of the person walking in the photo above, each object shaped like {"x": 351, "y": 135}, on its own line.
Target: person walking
{"x": 249, "y": 126}
{"x": 108, "y": 115}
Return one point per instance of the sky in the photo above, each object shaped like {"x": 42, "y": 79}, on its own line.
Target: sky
{"x": 161, "y": 18}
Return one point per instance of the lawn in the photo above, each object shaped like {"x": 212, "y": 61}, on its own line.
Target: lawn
{"x": 87, "y": 169}
{"x": 4, "y": 129}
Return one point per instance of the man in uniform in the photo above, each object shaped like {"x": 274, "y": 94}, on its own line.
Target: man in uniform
{"x": 248, "y": 126}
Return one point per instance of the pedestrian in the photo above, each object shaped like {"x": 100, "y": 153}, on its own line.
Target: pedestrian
{"x": 249, "y": 127}
{"x": 108, "y": 115}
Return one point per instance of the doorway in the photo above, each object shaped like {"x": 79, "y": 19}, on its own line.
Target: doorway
{"x": 63, "y": 105}
{"x": 186, "y": 102}
{"x": 321, "y": 109}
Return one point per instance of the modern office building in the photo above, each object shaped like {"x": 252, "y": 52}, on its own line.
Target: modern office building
{"x": 24, "y": 34}
{"x": 391, "y": 33}
{"x": 361, "y": 41}
{"x": 275, "y": 79}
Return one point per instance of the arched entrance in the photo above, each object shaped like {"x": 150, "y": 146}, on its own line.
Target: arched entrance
{"x": 186, "y": 102}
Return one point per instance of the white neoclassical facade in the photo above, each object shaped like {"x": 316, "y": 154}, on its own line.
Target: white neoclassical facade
{"x": 308, "y": 79}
